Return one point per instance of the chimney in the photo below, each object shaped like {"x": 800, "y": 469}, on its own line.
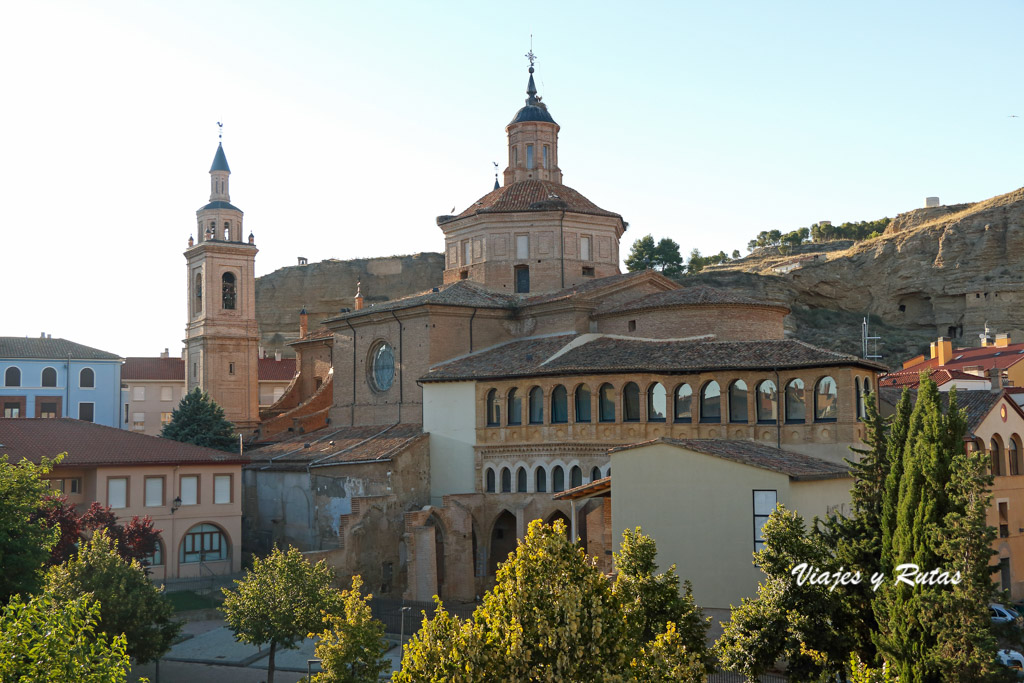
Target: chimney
{"x": 995, "y": 376}
{"x": 303, "y": 323}
{"x": 944, "y": 349}
{"x": 1002, "y": 341}
{"x": 42, "y": 335}
{"x": 986, "y": 336}
{"x": 358, "y": 304}
{"x": 277, "y": 356}
{"x": 166, "y": 353}
{"x": 931, "y": 350}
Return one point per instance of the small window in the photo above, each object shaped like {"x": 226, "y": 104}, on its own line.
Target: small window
{"x": 493, "y": 408}
{"x": 138, "y": 393}
{"x": 522, "y": 276}
{"x": 767, "y": 402}
{"x": 558, "y": 479}
{"x": 166, "y": 393}
{"x": 606, "y": 403}
{"x": 529, "y": 157}
{"x": 684, "y": 403}
{"x": 540, "y": 478}
{"x": 12, "y": 377}
{"x": 515, "y": 408}
{"x": 545, "y": 152}
{"x": 190, "y": 490}
{"x": 227, "y": 231}
{"x": 154, "y": 492}
{"x": 796, "y": 408}
{"x": 584, "y": 248}
{"x": 48, "y": 409}
{"x": 588, "y": 271}
{"x": 997, "y": 458}
{"x": 228, "y": 294}
{"x": 12, "y": 409}
{"x": 87, "y": 379}
{"x": 764, "y": 505}
{"x": 559, "y": 405}
{"x": 86, "y": 412}
{"x": 536, "y": 406}
{"x": 506, "y": 480}
{"x": 49, "y": 377}
{"x": 197, "y": 305}
{"x": 467, "y": 250}
{"x": 575, "y": 476}
{"x": 490, "y": 480}
{"x": 521, "y": 480}
{"x": 657, "y": 401}
{"x": 1014, "y": 453}
{"x": 139, "y": 422}
{"x": 711, "y": 402}
{"x": 117, "y": 492}
{"x": 165, "y": 418}
{"x": 595, "y": 473}
{"x": 522, "y": 247}
{"x": 631, "y": 403}
{"x": 631, "y": 326}
{"x": 825, "y": 403}
{"x": 1004, "y": 519}
{"x": 858, "y": 398}
{"x": 73, "y": 485}
{"x": 582, "y": 401}
{"x": 231, "y": 368}
{"x": 738, "y": 402}
{"x": 221, "y": 489}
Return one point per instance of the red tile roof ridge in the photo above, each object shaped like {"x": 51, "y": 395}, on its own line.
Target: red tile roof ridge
{"x": 588, "y": 337}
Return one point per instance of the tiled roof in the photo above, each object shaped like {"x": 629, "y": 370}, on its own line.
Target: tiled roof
{"x": 986, "y": 357}
{"x": 598, "y": 487}
{"x": 168, "y": 369}
{"x": 796, "y": 466}
{"x": 318, "y": 333}
{"x": 336, "y": 446}
{"x": 173, "y": 369}
{"x": 978, "y": 403}
{"x": 688, "y": 296}
{"x": 569, "y": 354}
{"x": 271, "y": 370}
{"x": 50, "y": 349}
{"x": 911, "y": 378}
{"x": 532, "y": 195}
{"x": 90, "y": 445}
{"x": 461, "y": 293}
{"x": 593, "y": 286}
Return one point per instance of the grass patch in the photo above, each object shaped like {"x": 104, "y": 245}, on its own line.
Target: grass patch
{"x": 185, "y": 601}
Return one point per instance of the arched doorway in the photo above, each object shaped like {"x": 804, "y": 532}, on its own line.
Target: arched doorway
{"x": 503, "y": 540}
{"x": 432, "y": 521}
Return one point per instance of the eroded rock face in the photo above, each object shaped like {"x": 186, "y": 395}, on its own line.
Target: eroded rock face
{"x": 326, "y": 287}
{"x": 944, "y": 270}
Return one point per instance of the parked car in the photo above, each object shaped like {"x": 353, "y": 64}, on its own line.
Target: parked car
{"x": 1013, "y": 660}
{"x": 1001, "y": 614}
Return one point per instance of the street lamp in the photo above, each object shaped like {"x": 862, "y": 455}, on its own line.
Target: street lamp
{"x": 175, "y": 504}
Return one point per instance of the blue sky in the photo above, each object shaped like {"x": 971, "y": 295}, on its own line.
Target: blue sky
{"x": 350, "y": 126}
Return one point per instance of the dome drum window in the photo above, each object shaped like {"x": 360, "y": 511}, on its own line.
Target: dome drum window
{"x": 382, "y": 366}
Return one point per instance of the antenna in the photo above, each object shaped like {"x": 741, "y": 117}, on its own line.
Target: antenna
{"x": 865, "y": 340}
{"x": 220, "y": 132}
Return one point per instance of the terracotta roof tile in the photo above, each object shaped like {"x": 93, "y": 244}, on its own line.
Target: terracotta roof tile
{"x": 688, "y": 296}
{"x": 911, "y": 378}
{"x": 986, "y": 357}
{"x": 140, "y": 368}
{"x": 588, "y": 288}
{"x": 336, "y": 446}
{"x": 272, "y": 370}
{"x": 532, "y": 195}
{"x": 977, "y": 403}
{"x": 796, "y": 466}
{"x": 45, "y": 349}
{"x": 596, "y": 353}
{"x": 89, "y": 444}
{"x": 462, "y": 293}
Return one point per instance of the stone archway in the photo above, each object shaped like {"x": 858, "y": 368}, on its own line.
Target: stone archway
{"x": 503, "y": 540}
{"x": 435, "y": 523}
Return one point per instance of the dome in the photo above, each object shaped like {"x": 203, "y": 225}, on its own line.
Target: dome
{"x": 532, "y": 113}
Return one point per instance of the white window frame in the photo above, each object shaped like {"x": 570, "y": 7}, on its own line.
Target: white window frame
{"x": 218, "y": 492}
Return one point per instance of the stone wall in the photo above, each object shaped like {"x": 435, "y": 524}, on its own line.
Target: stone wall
{"x": 328, "y": 286}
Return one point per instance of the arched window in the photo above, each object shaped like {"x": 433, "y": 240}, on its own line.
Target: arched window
{"x": 711, "y": 402}
{"x": 506, "y": 480}
{"x": 559, "y": 405}
{"x": 558, "y": 479}
{"x": 227, "y": 231}
{"x": 595, "y": 473}
{"x": 795, "y": 406}
{"x": 536, "y": 406}
{"x": 826, "y": 404}
{"x": 228, "y": 294}
{"x": 631, "y": 402}
{"x": 49, "y": 377}
{"x": 575, "y": 476}
{"x": 997, "y": 458}
{"x": 87, "y": 379}
{"x": 767, "y": 402}
{"x": 738, "y": 401}
{"x": 540, "y": 480}
{"x": 656, "y": 403}
{"x": 858, "y": 398}
{"x": 515, "y": 408}
{"x": 155, "y": 558}
{"x": 521, "y": 480}
{"x": 198, "y": 289}
{"x": 1013, "y": 451}
{"x": 684, "y": 403}
{"x": 490, "y": 480}
{"x": 203, "y": 543}
{"x": 606, "y": 403}
{"x": 493, "y": 408}
{"x": 12, "y": 377}
{"x": 582, "y": 403}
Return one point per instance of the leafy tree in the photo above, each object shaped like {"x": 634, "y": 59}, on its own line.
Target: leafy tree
{"x": 667, "y": 659}
{"x": 651, "y": 602}
{"x": 669, "y": 261}
{"x": 25, "y": 539}
{"x": 46, "y": 639}
{"x": 696, "y": 262}
{"x": 736, "y": 254}
{"x": 352, "y": 646}
{"x": 199, "y": 420}
{"x": 57, "y": 514}
{"x": 129, "y": 602}
{"x": 281, "y": 600}
{"x": 446, "y": 649}
{"x": 135, "y": 541}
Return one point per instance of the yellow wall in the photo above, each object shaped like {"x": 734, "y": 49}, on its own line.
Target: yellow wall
{"x": 700, "y": 511}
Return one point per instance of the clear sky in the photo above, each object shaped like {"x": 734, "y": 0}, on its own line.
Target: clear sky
{"x": 350, "y": 125}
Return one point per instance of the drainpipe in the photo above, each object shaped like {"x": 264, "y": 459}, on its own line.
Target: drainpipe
{"x": 401, "y": 365}
{"x": 352, "y": 409}
{"x": 561, "y": 245}
{"x": 778, "y": 410}
{"x": 67, "y": 392}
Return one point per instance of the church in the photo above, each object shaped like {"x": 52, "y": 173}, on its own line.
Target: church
{"x": 421, "y": 435}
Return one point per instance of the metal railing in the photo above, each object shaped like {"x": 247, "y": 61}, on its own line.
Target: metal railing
{"x": 730, "y": 677}
{"x": 398, "y": 621}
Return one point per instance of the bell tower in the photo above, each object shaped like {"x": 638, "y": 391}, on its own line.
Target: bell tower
{"x": 532, "y": 140}
{"x": 221, "y": 336}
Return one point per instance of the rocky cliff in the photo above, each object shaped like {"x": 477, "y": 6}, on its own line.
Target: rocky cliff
{"x": 939, "y": 271}
{"x": 326, "y": 287}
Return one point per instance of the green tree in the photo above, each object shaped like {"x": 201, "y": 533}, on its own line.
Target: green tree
{"x": 696, "y": 262}
{"x": 46, "y": 639}
{"x": 280, "y": 601}
{"x": 896, "y": 442}
{"x": 642, "y": 255}
{"x": 129, "y": 602}
{"x": 650, "y": 602}
{"x": 199, "y": 420}
{"x": 352, "y": 647}
{"x": 668, "y": 260}
{"x": 446, "y": 649}
{"x": 25, "y": 538}
{"x": 667, "y": 659}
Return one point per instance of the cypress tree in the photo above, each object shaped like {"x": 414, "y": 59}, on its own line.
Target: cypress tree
{"x": 199, "y": 420}
{"x": 895, "y": 445}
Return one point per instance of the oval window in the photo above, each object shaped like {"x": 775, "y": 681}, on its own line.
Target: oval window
{"x": 382, "y": 366}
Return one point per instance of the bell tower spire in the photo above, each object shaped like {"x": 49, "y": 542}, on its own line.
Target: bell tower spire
{"x": 220, "y": 171}
{"x": 532, "y": 139}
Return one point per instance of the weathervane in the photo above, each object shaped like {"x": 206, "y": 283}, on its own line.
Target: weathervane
{"x": 220, "y": 132}
{"x": 529, "y": 55}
